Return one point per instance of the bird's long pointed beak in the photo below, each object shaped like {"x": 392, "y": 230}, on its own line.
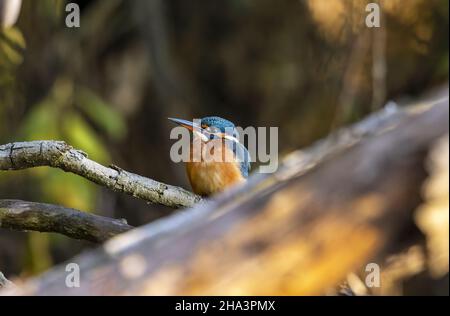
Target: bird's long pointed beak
{"x": 187, "y": 124}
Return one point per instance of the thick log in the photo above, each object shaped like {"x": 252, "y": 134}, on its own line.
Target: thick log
{"x": 298, "y": 231}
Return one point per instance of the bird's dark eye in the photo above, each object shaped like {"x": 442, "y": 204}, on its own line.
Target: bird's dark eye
{"x": 212, "y": 130}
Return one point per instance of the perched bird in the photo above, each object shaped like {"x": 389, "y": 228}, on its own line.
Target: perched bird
{"x": 220, "y": 160}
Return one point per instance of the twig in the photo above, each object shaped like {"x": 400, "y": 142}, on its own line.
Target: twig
{"x": 349, "y": 81}
{"x": 23, "y": 155}
{"x": 21, "y": 215}
{"x": 379, "y": 68}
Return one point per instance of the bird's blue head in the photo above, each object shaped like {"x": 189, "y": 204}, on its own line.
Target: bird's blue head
{"x": 217, "y": 127}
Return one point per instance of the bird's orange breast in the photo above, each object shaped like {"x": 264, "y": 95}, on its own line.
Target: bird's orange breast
{"x": 208, "y": 177}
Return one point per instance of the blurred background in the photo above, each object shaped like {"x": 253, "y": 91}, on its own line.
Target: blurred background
{"x": 108, "y": 87}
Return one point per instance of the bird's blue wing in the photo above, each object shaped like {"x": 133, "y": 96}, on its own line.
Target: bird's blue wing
{"x": 243, "y": 157}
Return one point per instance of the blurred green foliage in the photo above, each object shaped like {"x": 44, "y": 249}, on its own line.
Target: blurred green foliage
{"x": 101, "y": 113}
{"x": 11, "y": 46}
{"x": 68, "y": 112}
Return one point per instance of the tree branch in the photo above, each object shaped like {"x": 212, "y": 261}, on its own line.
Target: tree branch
{"x": 56, "y": 154}
{"x": 21, "y": 215}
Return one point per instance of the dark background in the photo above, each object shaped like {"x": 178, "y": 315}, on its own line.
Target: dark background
{"x": 108, "y": 87}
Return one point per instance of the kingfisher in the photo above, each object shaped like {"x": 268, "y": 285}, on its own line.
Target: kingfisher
{"x": 220, "y": 160}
